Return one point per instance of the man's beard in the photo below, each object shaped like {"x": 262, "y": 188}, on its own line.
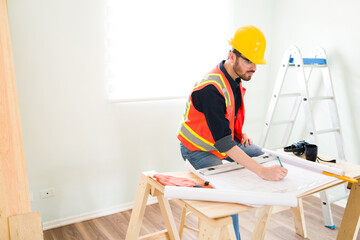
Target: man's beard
{"x": 248, "y": 78}
{"x": 243, "y": 76}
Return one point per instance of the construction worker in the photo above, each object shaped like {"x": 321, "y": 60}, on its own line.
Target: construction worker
{"x": 211, "y": 130}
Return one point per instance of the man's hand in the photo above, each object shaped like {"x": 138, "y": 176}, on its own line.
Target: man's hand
{"x": 245, "y": 140}
{"x": 274, "y": 173}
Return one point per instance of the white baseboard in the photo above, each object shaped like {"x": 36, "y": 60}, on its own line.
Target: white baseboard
{"x": 91, "y": 215}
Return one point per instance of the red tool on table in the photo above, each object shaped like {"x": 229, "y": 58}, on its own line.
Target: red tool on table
{"x": 169, "y": 180}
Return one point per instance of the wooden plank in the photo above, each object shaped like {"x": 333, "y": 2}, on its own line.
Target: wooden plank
{"x": 14, "y": 190}
{"x": 299, "y": 219}
{"x": 13, "y": 168}
{"x": 350, "y": 223}
{"x": 26, "y": 227}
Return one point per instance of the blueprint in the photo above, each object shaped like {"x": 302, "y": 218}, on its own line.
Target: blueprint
{"x": 243, "y": 186}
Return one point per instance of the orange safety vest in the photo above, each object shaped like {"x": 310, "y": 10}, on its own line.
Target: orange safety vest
{"x": 194, "y": 132}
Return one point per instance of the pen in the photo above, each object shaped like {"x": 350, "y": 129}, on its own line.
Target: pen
{"x": 279, "y": 161}
{"x": 343, "y": 177}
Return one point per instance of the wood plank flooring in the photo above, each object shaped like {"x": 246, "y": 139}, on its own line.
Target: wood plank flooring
{"x": 281, "y": 227}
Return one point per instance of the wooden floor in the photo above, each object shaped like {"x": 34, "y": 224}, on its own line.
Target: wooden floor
{"x": 281, "y": 227}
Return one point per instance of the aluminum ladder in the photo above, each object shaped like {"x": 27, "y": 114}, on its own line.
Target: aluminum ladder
{"x": 303, "y": 69}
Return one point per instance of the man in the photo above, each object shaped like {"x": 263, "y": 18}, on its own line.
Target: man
{"x": 212, "y": 126}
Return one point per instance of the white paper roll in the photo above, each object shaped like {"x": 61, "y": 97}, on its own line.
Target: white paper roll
{"x": 296, "y": 161}
{"x": 241, "y": 197}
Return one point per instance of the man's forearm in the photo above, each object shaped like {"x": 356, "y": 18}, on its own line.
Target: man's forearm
{"x": 239, "y": 156}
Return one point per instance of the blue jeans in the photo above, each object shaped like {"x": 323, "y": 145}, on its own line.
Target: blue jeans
{"x": 201, "y": 159}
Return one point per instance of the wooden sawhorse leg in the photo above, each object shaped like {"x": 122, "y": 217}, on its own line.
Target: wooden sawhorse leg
{"x": 299, "y": 219}
{"x": 168, "y": 217}
{"x": 137, "y": 215}
{"x": 264, "y": 214}
{"x": 350, "y": 223}
{"x": 138, "y": 210}
{"x": 262, "y": 220}
{"x": 215, "y": 229}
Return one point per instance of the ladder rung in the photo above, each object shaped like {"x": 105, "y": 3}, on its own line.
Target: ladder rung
{"x": 309, "y": 65}
{"x": 282, "y": 122}
{"x": 289, "y": 94}
{"x": 327, "y": 130}
{"x": 322, "y": 98}
{"x": 310, "y": 61}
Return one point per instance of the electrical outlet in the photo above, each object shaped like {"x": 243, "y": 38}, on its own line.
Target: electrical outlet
{"x": 47, "y": 193}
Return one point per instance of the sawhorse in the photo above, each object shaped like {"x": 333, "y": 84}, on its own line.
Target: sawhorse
{"x": 214, "y": 217}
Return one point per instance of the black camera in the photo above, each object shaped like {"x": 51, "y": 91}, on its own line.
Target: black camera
{"x": 297, "y": 148}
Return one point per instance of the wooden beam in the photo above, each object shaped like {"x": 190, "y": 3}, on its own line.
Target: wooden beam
{"x": 14, "y": 191}
{"x": 350, "y": 223}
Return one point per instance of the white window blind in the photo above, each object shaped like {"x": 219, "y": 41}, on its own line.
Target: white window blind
{"x": 158, "y": 49}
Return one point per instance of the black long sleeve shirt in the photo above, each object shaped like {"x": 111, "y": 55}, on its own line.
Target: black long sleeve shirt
{"x": 211, "y": 103}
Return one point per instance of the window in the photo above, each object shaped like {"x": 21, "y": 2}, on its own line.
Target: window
{"x": 158, "y": 49}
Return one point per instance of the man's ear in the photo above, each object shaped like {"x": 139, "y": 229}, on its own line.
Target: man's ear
{"x": 232, "y": 57}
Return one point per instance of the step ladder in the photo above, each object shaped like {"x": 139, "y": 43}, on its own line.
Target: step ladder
{"x": 303, "y": 69}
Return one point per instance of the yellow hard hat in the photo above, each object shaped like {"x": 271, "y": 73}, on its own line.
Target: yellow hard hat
{"x": 251, "y": 43}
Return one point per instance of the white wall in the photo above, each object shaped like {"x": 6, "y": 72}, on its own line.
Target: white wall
{"x": 92, "y": 151}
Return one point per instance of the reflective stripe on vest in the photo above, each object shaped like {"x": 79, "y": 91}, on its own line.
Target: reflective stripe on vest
{"x": 217, "y": 79}
{"x": 186, "y": 132}
{"x": 191, "y": 136}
